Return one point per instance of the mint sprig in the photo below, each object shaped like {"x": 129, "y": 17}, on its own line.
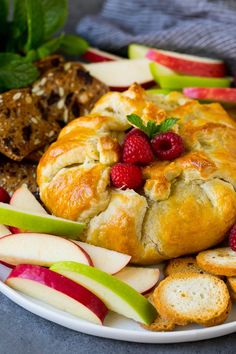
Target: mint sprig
{"x": 152, "y": 129}
{"x": 28, "y": 35}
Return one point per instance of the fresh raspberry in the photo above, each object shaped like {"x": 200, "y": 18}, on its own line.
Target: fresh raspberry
{"x": 124, "y": 175}
{"x": 167, "y": 146}
{"x": 136, "y": 132}
{"x": 4, "y": 196}
{"x": 137, "y": 149}
{"x": 232, "y": 238}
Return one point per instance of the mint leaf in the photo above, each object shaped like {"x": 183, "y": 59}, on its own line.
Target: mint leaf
{"x": 137, "y": 121}
{"x": 35, "y": 23}
{"x": 49, "y": 47}
{"x": 7, "y": 58}
{"x": 167, "y": 124}
{"x": 55, "y": 15}
{"x": 28, "y": 24}
{"x": 19, "y": 16}
{"x": 151, "y": 129}
{"x": 73, "y": 45}
{"x": 15, "y": 72}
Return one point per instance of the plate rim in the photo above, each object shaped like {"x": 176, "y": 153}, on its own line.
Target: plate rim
{"x": 129, "y": 335}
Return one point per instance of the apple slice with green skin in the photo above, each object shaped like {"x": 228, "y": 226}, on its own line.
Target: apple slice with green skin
{"x": 31, "y": 221}
{"x": 95, "y": 55}
{"x": 167, "y": 78}
{"x": 23, "y": 197}
{"x": 120, "y": 74}
{"x": 58, "y": 291}
{"x": 224, "y": 95}
{"x": 141, "y": 279}
{"x": 109, "y": 261}
{"x": 137, "y": 51}
{"x": 40, "y": 249}
{"x": 188, "y": 64}
{"x": 158, "y": 91}
{"x": 116, "y": 295}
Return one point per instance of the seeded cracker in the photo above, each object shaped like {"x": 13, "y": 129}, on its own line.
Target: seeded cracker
{"x": 22, "y": 127}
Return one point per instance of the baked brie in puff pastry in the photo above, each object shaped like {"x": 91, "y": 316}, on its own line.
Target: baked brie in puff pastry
{"x": 185, "y": 206}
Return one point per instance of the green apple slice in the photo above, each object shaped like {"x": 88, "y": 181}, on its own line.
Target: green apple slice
{"x": 169, "y": 79}
{"x": 158, "y": 91}
{"x": 58, "y": 291}
{"x": 137, "y": 51}
{"x": 116, "y": 295}
{"x": 42, "y": 223}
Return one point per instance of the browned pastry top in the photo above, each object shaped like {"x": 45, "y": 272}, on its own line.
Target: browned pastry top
{"x": 186, "y": 205}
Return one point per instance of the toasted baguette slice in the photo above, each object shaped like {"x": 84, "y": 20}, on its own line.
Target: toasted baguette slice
{"x": 182, "y": 265}
{"x": 231, "y": 283}
{"x": 219, "y": 261}
{"x": 160, "y": 324}
{"x": 192, "y": 298}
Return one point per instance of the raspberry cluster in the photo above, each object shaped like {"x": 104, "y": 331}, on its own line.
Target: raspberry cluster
{"x": 138, "y": 151}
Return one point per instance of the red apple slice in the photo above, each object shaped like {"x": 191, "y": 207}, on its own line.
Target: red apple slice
{"x": 23, "y": 197}
{"x": 95, "y": 55}
{"x": 4, "y": 231}
{"x": 15, "y": 230}
{"x": 227, "y": 95}
{"x": 188, "y": 64}
{"x": 58, "y": 291}
{"x": 109, "y": 261}
{"x": 40, "y": 249}
{"x": 120, "y": 74}
{"x": 141, "y": 279}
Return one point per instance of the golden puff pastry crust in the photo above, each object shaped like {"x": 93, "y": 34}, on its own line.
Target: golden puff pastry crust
{"x": 185, "y": 206}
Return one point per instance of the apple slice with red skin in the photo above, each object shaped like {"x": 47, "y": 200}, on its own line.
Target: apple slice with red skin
{"x": 224, "y": 95}
{"x": 23, "y": 196}
{"x": 109, "y": 261}
{"x": 188, "y": 64}
{"x": 120, "y": 74}
{"x": 40, "y": 249}
{"x": 95, "y": 55}
{"x": 15, "y": 230}
{"x": 169, "y": 79}
{"x": 117, "y": 296}
{"x": 4, "y": 231}
{"x": 58, "y": 291}
{"x": 141, "y": 279}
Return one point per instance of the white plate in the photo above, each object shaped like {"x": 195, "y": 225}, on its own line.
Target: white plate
{"x": 115, "y": 327}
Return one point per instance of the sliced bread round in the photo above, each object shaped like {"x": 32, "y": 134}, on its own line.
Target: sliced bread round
{"x": 231, "y": 283}
{"x": 219, "y": 261}
{"x": 160, "y": 324}
{"x": 192, "y": 298}
{"x": 182, "y": 265}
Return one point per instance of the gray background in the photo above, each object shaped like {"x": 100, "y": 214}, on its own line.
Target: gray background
{"x": 22, "y": 332}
